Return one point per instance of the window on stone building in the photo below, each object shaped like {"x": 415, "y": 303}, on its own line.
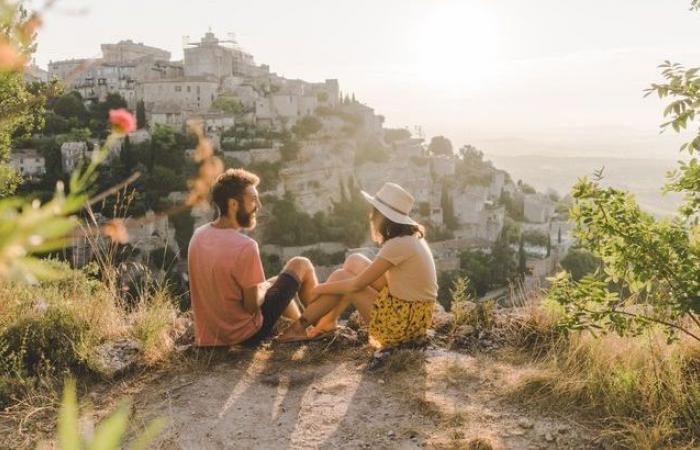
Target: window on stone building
{"x": 178, "y": 88}
{"x": 189, "y": 89}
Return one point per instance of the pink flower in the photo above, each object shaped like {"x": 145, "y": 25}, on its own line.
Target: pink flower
{"x": 122, "y": 121}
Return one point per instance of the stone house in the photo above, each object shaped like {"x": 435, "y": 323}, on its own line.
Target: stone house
{"x": 188, "y": 93}
{"x": 151, "y": 233}
{"x": 71, "y": 154}
{"x": 128, "y": 50}
{"x": 537, "y": 208}
{"x": 442, "y": 166}
{"x": 139, "y": 136}
{"x": 29, "y": 163}
{"x": 167, "y": 113}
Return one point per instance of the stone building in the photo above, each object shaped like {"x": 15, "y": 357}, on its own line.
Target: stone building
{"x": 150, "y": 233}
{"x": 217, "y": 58}
{"x": 537, "y": 208}
{"x": 123, "y": 65}
{"x": 71, "y": 154}
{"x": 29, "y": 163}
{"x": 167, "y": 113}
{"x": 442, "y": 166}
{"x": 128, "y": 50}
{"x": 188, "y": 93}
{"x": 68, "y": 69}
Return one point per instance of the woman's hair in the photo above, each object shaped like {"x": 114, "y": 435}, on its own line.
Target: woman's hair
{"x": 389, "y": 229}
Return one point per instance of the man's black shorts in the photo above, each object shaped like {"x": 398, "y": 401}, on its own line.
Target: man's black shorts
{"x": 276, "y": 301}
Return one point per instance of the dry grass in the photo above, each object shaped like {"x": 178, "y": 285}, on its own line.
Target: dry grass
{"x": 642, "y": 392}
{"x": 51, "y": 330}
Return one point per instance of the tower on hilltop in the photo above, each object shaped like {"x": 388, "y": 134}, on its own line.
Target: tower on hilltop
{"x": 212, "y": 56}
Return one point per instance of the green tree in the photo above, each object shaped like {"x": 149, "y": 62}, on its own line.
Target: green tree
{"x": 653, "y": 264}
{"x": 128, "y": 156}
{"x": 289, "y": 150}
{"x": 70, "y": 105}
{"x": 165, "y": 151}
{"x": 307, "y": 126}
{"x": 141, "y": 114}
{"x": 478, "y": 267}
{"x": 448, "y": 211}
{"x": 522, "y": 259}
{"x": 21, "y": 106}
{"x": 227, "y": 104}
{"x": 579, "y": 263}
{"x": 503, "y": 268}
{"x": 370, "y": 150}
{"x": 440, "y": 145}
{"x": 99, "y": 113}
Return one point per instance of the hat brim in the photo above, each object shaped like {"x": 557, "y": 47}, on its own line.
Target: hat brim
{"x": 389, "y": 213}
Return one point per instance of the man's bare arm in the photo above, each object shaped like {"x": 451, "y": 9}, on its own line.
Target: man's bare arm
{"x": 254, "y": 296}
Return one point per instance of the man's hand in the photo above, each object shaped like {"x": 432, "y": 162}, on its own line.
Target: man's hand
{"x": 254, "y": 296}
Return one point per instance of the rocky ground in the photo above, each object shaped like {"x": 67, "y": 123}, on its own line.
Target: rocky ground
{"x": 458, "y": 391}
{"x": 320, "y": 395}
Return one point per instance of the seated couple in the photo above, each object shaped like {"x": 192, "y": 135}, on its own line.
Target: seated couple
{"x": 233, "y": 303}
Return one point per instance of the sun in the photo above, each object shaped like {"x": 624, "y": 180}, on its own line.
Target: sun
{"x": 456, "y": 43}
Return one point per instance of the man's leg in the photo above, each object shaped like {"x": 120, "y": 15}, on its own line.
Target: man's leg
{"x": 304, "y": 271}
{"x": 296, "y": 276}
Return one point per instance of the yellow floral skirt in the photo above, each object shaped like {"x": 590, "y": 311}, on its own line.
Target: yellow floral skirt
{"x": 394, "y": 321}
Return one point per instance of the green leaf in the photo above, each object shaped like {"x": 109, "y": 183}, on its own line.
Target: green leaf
{"x": 68, "y": 431}
{"x": 111, "y": 432}
{"x": 149, "y": 434}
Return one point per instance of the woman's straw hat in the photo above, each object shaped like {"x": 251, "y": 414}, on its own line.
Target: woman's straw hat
{"x": 394, "y": 202}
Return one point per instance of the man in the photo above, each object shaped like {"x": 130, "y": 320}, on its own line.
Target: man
{"x": 231, "y": 300}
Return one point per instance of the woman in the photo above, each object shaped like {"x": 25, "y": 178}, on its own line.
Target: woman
{"x": 395, "y": 293}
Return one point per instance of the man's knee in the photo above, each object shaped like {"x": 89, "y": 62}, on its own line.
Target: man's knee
{"x": 299, "y": 266}
{"x": 356, "y": 263}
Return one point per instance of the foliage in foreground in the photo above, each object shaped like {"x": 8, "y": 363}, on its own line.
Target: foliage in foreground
{"x": 650, "y": 268}
{"x": 641, "y": 391}
{"x": 108, "y": 435}
{"x": 84, "y": 313}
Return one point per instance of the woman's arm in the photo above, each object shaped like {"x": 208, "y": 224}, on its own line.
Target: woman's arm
{"x": 368, "y": 276}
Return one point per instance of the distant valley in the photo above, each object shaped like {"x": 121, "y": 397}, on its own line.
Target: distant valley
{"x": 643, "y": 176}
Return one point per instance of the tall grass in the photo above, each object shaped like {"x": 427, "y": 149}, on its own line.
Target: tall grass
{"x": 641, "y": 392}
{"x": 53, "y": 329}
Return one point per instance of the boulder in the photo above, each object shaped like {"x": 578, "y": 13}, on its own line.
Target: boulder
{"x": 112, "y": 358}
{"x": 442, "y": 320}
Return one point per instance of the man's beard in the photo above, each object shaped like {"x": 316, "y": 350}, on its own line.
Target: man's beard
{"x": 245, "y": 219}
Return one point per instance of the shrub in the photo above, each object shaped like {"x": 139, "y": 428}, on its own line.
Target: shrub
{"x": 54, "y": 328}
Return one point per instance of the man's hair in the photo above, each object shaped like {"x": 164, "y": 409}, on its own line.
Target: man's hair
{"x": 390, "y": 229}
{"x": 231, "y": 184}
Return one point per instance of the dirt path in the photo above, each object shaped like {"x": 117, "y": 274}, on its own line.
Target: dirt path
{"x": 321, "y": 397}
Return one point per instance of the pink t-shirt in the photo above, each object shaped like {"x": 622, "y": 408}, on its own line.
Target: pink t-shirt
{"x": 221, "y": 263}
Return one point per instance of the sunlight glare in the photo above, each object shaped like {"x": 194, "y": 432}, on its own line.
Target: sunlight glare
{"x": 456, "y": 43}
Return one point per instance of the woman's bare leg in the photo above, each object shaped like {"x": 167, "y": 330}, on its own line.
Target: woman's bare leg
{"x": 325, "y": 310}
{"x": 353, "y": 266}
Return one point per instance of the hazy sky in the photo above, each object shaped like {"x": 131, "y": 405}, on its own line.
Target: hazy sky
{"x": 512, "y": 76}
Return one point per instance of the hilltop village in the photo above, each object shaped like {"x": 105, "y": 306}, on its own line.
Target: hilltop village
{"x": 314, "y": 147}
